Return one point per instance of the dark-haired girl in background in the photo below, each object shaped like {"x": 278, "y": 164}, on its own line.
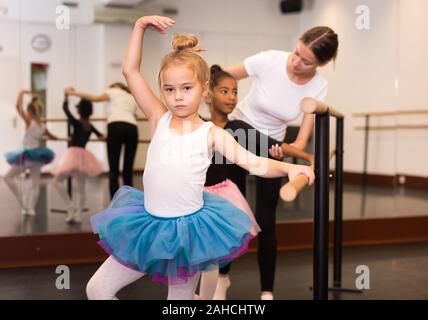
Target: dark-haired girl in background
{"x": 122, "y": 130}
{"x": 222, "y": 101}
{"x": 77, "y": 161}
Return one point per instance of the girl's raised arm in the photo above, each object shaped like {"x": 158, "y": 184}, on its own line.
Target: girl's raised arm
{"x": 143, "y": 94}
{"x": 20, "y": 107}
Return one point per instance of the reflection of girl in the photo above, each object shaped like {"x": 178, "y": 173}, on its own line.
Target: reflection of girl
{"x": 222, "y": 101}
{"x": 282, "y": 80}
{"x": 173, "y": 229}
{"x": 32, "y": 156}
{"x": 122, "y": 131}
{"x": 77, "y": 161}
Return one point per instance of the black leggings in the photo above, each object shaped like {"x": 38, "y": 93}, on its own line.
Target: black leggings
{"x": 267, "y": 195}
{"x": 121, "y": 134}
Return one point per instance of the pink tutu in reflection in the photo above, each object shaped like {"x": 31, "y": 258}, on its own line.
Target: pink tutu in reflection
{"x": 78, "y": 160}
{"x": 228, "y": 190}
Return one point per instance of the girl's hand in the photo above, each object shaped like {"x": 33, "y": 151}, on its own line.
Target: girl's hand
{"x": 299, "y": 169}
{"x": 69, "y": 91}
{"x": 276, "y": 152}
{"x": 155, "y": 23}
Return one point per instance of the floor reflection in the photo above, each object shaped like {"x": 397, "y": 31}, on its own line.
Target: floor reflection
{"x": 375, "y": 202}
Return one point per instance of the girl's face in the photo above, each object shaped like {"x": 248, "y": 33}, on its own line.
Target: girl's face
{"x": 225, "y": 96}
{"x": 181, "y": 90}
{"x": 303, "y": 61}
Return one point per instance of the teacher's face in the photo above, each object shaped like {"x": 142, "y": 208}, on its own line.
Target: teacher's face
{"x": 303, "y": 61}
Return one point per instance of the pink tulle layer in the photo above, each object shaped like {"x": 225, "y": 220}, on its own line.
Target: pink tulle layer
{"x": 228, "y": 190}
{"x": 78, "y": 160}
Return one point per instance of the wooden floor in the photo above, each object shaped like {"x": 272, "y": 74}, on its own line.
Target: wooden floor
{"x": 396, "y": 272}
{"x": 359, "y": 204}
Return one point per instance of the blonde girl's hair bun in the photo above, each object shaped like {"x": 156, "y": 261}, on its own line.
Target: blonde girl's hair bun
{"x": 181, "y": 42}
{"x": 35, "y": 107}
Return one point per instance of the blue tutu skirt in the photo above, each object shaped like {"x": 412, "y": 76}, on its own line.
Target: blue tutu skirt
{"x": 170, "y": 250}
{"x": 40, "y": 155}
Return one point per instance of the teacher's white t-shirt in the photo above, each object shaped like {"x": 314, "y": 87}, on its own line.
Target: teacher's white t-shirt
{"x": 123, "y": 107}
{"x": 274, "y": 100}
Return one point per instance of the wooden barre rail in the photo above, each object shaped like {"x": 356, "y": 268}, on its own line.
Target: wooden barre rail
{"x": 309, "y": 105}
{"x": 291, "y": 189}
{"x": 390, "y": 113}
{"x": 91, "y": 119}
{"x": 96, "y": 140}
{"x": 396, "y": 127}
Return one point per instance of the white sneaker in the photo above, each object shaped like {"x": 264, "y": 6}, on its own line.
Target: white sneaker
{"x": 77, "y": 217}
{"x": 266, "y": 297}
{"x": 31, "y": 212}
{"x": 70, "y": 215}
{"x": 223, "y": 284}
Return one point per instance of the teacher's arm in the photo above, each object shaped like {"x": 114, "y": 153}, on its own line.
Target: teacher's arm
{"x": 237, "y": 71}
{"x": 304, "y": 132}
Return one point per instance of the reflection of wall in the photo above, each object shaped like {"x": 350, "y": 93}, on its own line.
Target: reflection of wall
{"x": 10, "y": 127}
{"x": 363, "y": 78}
{"x": 412, "y": 145}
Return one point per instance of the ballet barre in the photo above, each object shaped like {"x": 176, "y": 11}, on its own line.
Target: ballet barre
{"x": 92, "y": 119}
{"x": 323, "y": 112}
{"x": 291, "y": 189}
{"x": 96, "y": 140}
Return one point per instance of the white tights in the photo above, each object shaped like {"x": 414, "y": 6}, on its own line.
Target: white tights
{"x": 17, "y": 190}
{"x": 113, "y": 276}
{"x": 208, "y": 284}
{"x": 79, "y": 190}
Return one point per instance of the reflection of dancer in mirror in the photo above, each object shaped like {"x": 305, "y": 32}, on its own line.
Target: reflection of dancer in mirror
{"x": 122, "y": 131}
{"x": 281, "y": 81}
{"x": 222, "y": 101}
{"x": 77, "y": 161}
{"x": 173, "y": 229}
{"x": 32, "y": 156}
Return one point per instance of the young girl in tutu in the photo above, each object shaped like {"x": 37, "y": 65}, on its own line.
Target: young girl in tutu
{"x": 77, "y": 161}
{"x": 222, "y": 100}
{"x": 173, "y": 229}
{"x": 32, "y": 156}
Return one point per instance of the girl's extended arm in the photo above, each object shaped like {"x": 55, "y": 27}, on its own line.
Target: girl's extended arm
{"x": 91, "y": 97}
{"x": 50, "y": 135}
{"x": 224, "y": 143}
{"x": 143, "y": 94}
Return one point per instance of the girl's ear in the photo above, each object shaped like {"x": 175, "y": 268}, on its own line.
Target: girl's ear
{"x": 206, "y": 89}
{"x": 209, "y": 98}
